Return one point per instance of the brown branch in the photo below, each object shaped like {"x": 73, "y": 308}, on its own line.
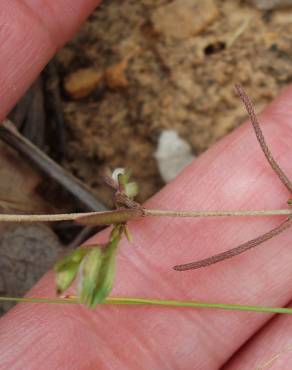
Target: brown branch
{"x": 53, "y": 170}
{"x": 237, "y": 250}
{"x": 259, "y": 134}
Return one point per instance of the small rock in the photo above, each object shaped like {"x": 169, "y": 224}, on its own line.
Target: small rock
{"x": 115, "y": 75}
{"x": 26, "y": 253}
{"x": 182, "y": 19}
{"x": 82, "y": 82}
{"x": 172, "y": 155}
{"x": 270, "y": 4}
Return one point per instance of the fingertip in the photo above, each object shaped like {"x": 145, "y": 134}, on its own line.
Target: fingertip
{"x": 31, "y": 32}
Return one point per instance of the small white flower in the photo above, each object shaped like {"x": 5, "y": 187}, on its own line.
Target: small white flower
{"x": 118, "y": 171}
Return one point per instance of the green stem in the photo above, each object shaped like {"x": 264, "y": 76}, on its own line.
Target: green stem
{"x": 71, "y": 300}
{"x": 194, "y": 304}
{"x": 156, "y": 302}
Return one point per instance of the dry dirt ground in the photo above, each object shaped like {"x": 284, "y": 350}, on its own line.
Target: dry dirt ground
{"x": 138, "y": 67}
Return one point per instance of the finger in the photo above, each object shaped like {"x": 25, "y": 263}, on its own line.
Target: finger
{"x": 232, "y": 175}
{"x": 269, "y": 349}
{"x": 31, "y": 31}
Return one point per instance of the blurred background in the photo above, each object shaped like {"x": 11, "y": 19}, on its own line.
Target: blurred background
{"x": 147, "y": 85}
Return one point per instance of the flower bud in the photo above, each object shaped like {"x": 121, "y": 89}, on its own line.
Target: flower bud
{"x": 117, "y": 172}
{"x": 66, "y": 269}
{"x": 89, "y": 275}
{"x": 131, "y": 189}
{"x": 106, "y": 276}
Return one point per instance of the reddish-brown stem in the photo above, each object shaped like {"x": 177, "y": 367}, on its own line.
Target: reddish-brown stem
{"x": 108, "y": 179}
{"x": 237, "y": 250}
{"x": 248, "y": 105}
{"x": 282, "y": 176}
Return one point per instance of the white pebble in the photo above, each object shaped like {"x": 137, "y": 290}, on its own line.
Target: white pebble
{"x": 173, "y": 154}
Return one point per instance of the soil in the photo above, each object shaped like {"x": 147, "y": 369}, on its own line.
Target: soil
{"x": 166, "y": 65}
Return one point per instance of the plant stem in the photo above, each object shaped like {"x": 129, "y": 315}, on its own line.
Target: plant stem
{"x": 71, "y": 300}
{"x": 53, "y": 170}
{"x": 261, "y": 139}
{"x": 173, "y": 213}
{"x": 146, "y": 212}
{"x": 237, "y": 250}
{"x": 155, "y": 302}
{"x": 43, "y": 218}
{"x": 194, "y": 304}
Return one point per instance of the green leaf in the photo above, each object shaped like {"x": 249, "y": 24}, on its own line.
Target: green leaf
{"x": 65, "y": 277}
{"x": 106, "y": 277}
{"x": 76, "y": 256}
{"x": 131, "y": 189}
{"x": 67, "y": 268}
{"x": 89, "y": 274}
{"x": 107, "y": 271}
{"x": 96, "y": 269}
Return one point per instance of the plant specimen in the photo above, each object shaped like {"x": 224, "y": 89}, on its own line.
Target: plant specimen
{"x": 93, "y": 267}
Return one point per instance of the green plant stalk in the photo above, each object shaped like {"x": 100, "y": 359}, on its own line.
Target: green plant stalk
{"x": 156, "y": 302}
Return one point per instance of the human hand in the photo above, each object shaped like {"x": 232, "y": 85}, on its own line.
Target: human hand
{"x": 231, "y": 175}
